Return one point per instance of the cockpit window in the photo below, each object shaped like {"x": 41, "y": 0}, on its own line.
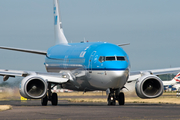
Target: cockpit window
{"x": 101, "y": 59}
{"x": 120, "y": 58}
{"x": 111, "y": 58}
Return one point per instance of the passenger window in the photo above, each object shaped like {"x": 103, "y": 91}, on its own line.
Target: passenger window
{"x": 120, "y": 58}
{"x": 110, "y": 58}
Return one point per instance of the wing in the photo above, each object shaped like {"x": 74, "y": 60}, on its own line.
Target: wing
{"x": 24, "y": 50}
{"x": 36, "y": 85}
{"x": 49, "y": 77}
{"x": 137, "y": 74}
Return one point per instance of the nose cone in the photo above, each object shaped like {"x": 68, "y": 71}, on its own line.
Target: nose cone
{"x": 109, "y": 79}
{"x": 111, "y": 67}
{"x": 116, "y": 79}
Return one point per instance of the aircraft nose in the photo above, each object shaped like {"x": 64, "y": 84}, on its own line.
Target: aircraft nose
{"x": 117, "y": 79}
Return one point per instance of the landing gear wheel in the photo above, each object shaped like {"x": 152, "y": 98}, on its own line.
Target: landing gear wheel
{"x": 44, "y": 101}
{"x": 111, "y": 99}
{"x": 54, "y": 99}
{"x": 121, "y": 98}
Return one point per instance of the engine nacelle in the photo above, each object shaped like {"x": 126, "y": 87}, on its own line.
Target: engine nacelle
{"x": 149, "y": 86}
{"x": 33, "y": 87}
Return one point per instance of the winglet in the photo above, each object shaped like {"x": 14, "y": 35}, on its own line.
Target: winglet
{"x": 59, "y": 34}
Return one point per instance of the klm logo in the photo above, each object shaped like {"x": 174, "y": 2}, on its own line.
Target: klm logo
{"x": 54, "y": 9}
{"x": 55, "y": 20}
{"x": 55, "y": 17}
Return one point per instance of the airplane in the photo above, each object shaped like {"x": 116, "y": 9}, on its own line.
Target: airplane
{"x": 85, "y": 66}
{"x": 175, "y": 82}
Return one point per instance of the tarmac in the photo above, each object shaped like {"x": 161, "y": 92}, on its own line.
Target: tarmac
{"x": 32, "y": 109}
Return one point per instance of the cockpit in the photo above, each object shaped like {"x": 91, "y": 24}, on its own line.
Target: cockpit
{"x": 111, "y": 58}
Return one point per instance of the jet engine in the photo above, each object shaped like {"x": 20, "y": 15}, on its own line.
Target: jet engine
{"x": 149, "y": 86}
{"x": 33, "y": 87}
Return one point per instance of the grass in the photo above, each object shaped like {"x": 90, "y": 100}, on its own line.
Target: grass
{"x": 166, "y": 98}
{"x": 159, "y": 100}
{"x": 83, "y": 94}
{"x": 10, "y": 94}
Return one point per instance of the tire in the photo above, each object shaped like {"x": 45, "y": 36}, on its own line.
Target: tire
{"x": 109, "y": 101}
{"x": 121, "y": 98}
{"x": 44, "y": 101}
{"x": 54, "y": 100}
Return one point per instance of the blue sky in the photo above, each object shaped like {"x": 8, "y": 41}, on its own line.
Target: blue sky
{"x": 151, "y": 27}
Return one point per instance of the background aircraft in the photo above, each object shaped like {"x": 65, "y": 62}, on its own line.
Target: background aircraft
{"x": 85, "y": 66}
{"x": 174, "y": 83}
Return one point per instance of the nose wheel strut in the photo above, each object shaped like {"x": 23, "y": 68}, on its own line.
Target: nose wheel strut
{"x": 115, "y": 95}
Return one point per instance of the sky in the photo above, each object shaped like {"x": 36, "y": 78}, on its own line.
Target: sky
{"x": 151, "y": 27}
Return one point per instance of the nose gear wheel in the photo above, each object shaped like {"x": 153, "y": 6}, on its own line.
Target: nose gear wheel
{"x": 115, "y": 95}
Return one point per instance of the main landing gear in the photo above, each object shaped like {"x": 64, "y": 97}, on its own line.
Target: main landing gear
{"x": 50, "y": 96}
{"x": 115, "y": 95}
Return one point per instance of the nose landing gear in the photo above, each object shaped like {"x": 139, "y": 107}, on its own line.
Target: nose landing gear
{"x": 115, "y": 95}
{"x": 111, "y": 99}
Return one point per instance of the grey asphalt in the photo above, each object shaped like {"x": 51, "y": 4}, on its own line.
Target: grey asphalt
{"x": 78, "y": 111}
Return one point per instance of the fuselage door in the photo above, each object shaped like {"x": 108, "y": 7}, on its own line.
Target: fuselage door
{"x": 90, "y": 61}
{"x": 65, "y": 62}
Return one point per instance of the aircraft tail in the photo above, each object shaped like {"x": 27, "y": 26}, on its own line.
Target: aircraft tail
{"x": 174, "y": 81}
{"x": 177, "y": 77}
{"x": 59, "y": 34}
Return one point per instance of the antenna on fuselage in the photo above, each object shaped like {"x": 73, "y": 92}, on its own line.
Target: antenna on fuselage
{"x": 84, "y": 39}
{"x": 123, "y": 44}
{"x": 59, "y": 34}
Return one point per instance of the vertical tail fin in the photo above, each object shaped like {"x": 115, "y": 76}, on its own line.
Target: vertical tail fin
{"x": 59, "y": 34}
{"x": 177, "y": 77}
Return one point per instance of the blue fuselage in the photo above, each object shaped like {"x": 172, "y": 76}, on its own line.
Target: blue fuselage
{"x": 91, "y": 57}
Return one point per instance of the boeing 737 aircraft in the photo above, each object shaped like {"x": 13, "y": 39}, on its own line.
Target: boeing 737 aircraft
{"x": 85, "y": 67}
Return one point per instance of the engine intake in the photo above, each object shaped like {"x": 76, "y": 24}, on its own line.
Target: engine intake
{"x": 33, "y": 87}
{"x": 149, "y": 86}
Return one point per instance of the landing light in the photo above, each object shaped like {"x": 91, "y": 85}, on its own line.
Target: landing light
{"x": 64, "y": 76}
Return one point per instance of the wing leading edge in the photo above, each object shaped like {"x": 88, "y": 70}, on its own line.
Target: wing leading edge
{"x": 49, "y": 77}
{"x": 135, "y": 75}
